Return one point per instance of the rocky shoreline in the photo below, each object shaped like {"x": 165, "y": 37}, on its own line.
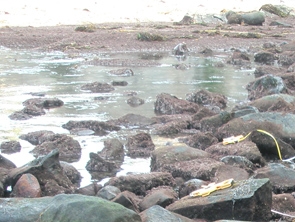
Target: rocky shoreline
{"x": 260, "y": 164}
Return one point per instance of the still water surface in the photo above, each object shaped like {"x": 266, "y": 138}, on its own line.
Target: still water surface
{"x": 59, "y": 75}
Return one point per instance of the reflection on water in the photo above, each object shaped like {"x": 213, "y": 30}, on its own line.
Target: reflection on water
{"x": 58, "y": 75}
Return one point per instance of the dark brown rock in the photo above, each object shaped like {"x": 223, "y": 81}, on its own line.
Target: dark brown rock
{"x": 283, "y": 203}
{"x": 72, "y": 173}
{"x": 27, "y": 186}
{"x": 205, "y": 98}
{"x": 97, "y": 163}
{"x": 200, "y": 140}
{"x": 113, "y": 150}
{"x": 135, "y": 101}
{"x": 119, "y": 83}
{"x": 287, "y": 58}
{"x": 186, "y": 20}
{"x": 37, "y": 137}
{"x": 69, "y": 149}
{"x": 169, "y": 155}
{"x": 10, "y": 147}
{"x": 128, "y": 200}
{"x": 97, "y": 87}
{"x": 226, "y": 172}
{"x": 167, "y": 104}
{"x": 132, "y": 120}
{"x": 265, "y": 70}
{"x": 44, "y": 103}
{"x": 122, "y": 72}
{"x": 99, "y": 128}
{"x": 246, "y": 149}
{"x": 140, "y": 145}
{"x": 171, "y": 128}
{"x": 162, "y": 196}
{"x": 90, "y": 190}
{"x": 212, "y": 123}
{"x": 190, "y": 186}
{"x": 3, "y": 181}
{"x": 204, "y": 112}
{"x": 239, "y": 58}
{"x": 265, "y": 57}
{"x": 6, "y": 163}
{"x": 140, "y": 183}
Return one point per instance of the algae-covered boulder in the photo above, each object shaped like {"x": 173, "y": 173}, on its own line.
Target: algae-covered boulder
{"x": 64, "y": 207}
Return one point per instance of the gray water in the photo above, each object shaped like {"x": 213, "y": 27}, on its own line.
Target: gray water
{"x": 59, "y": 75}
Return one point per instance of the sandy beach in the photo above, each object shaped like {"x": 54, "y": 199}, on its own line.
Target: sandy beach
{"x": 51, "y": 13}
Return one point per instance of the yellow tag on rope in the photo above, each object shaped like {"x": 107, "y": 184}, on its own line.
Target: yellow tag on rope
{"x": 208, "y": 189}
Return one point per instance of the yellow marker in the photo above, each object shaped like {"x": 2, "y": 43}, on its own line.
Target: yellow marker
{"x": 208, "y": 189}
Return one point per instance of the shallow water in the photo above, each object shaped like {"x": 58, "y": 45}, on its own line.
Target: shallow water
{"x": 59, "y": 75}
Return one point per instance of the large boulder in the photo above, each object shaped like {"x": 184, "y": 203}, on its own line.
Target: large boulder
{"x": 168, "y": 104}
{"x": 64, "y": 207}
{"x": 169, "y": 155}
{"x": 248, "y": 200}
{"x": 185, "y": 162}
{"x": 69, "y": 149}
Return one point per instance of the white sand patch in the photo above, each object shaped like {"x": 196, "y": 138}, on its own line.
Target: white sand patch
{"x": 59, "y": 12}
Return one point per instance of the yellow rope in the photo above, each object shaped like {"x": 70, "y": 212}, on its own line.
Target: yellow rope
{"x": 278, "y": 147}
